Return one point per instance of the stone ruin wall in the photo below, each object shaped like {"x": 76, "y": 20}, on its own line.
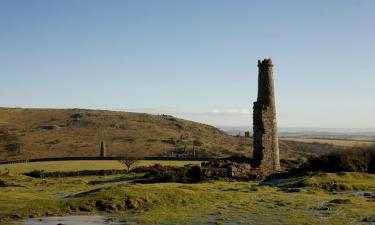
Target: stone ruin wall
{"x": 229, "y": 168}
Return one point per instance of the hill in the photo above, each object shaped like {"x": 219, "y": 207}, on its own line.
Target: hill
{"x": 40, "y": 133}
{"x": 37, "y": 133}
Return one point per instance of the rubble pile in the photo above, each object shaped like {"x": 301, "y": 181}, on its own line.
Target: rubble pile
{"x": 232, "y": 167}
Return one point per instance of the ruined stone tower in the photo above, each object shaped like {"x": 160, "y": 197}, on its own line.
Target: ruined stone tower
{"x": 102, "y": 149}
{"x": 265, "y": 145}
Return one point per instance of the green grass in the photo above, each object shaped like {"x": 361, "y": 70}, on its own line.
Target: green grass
{"x": 217, "y": 202}
{"x": 343, "y": 181}
{"x": 75, "y": 165}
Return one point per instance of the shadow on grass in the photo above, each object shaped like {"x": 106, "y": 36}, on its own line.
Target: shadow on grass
{"x": 84, "y": 193}
{"x": 115, "y": 180}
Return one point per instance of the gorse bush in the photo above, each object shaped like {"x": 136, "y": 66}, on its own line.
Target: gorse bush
{"x": 356, "y": 159}
{"x": 14, "y": 148}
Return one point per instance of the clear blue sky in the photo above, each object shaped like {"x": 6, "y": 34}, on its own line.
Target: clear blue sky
{"x": 193, "y": 59}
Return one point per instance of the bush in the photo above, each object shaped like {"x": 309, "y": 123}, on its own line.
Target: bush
{"x": 357, "y": 159}
{"x": 13, "y": 148}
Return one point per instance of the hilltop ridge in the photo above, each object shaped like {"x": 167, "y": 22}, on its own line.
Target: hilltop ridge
{"x": 49, "y": 133}
{"x": 36, "y": 133}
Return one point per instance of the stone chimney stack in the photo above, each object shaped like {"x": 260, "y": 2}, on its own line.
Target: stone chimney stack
{"x": 103, "y": 149}
{"x": 265, "y": 144}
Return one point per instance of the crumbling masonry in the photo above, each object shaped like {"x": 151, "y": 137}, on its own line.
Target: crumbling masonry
{"x": 265, "y": 145}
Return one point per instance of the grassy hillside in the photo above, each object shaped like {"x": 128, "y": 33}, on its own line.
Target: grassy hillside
{"x": 39, "y": 133}
{"x": 36, "y": 133}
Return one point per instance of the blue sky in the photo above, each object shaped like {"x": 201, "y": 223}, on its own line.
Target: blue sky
{"x": 193, "y": 59}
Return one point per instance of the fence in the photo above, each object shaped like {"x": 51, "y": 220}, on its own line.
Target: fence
{"x": 106, "y": 158}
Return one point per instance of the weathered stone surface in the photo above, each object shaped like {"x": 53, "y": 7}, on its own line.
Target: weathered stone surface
{"x": 232, "y": 167}
{"x": 266, "y": 147}
{"x": 103, "y": 149}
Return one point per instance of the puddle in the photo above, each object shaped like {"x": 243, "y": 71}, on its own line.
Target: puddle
{"x": 271, "y": 182}
{"x": 71, "y": 220}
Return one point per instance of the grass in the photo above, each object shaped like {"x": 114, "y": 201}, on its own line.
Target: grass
{"x": 337, "y": 142}
{"x": 342, "y": 181}
{"x": 295, "y": 200}
{"x": 75, "y": 165}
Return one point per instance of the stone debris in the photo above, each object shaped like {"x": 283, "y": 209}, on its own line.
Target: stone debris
{"x": 232, "y": 167}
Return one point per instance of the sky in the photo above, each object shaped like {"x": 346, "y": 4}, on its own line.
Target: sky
{"x": 192, "y": 59}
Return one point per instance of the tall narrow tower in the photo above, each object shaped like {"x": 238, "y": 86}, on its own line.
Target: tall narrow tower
{"x": 265, "y": 145}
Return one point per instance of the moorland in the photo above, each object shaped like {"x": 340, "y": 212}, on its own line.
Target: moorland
{"x": 43, "y": 133}
{"x": 307, "y": 198}
{"x": 321, "y": 182}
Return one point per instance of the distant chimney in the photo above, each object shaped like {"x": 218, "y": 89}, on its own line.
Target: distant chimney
{"x": 102, "y": 149}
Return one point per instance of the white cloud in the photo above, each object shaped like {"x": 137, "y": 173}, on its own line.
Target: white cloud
{"x": 219, "y": 111}
{"x": 172, "y": 111}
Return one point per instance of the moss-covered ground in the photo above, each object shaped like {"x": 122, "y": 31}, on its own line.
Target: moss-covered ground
{"x": 313, "y": 198}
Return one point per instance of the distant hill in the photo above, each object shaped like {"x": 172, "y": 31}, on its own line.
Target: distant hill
{"x": 37, "y": 133}
{"x": 332, "y": 133}
{"x": 42, "y": 133}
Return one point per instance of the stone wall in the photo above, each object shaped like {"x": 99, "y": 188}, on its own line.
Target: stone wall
{"x": 229, "y": 167}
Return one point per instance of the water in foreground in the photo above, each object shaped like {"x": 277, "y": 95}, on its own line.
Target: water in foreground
{"x": 72, "y": 220}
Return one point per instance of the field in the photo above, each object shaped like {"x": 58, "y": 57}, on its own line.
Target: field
{"x": 314, "y": 198}
{"x": 337, "y": 142}
{"x": 75, "y": 165}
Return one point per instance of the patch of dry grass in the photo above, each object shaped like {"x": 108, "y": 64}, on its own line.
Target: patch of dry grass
{"x": 337, "y": 142}
{"x": 78, "y": 132}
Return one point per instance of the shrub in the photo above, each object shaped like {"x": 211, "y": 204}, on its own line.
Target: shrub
{"x": 76, "y": 116}
{"x": 128, "y": 162}
{"x": 13, "y": 148}
{"x": 357, "y": 159}
{"x": 290, "y": 164}
{"x": 197, "y": 142}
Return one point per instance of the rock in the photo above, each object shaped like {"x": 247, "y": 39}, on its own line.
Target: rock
{"x": 370, "y": 219}
{"x": 324, "y": 208}
{"x": 49, "y": 127}
{"x": 340, "y": 201}
{"x": 227, "y": 167}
